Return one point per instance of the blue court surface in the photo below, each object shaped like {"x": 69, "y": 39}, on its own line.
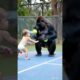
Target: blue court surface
{"x": 40, "y": 68}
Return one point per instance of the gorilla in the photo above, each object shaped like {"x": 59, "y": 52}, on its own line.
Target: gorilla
{"x": 46, "y": 35}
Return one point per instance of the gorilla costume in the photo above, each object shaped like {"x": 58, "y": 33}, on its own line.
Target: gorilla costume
{"x": 46, "y": 36}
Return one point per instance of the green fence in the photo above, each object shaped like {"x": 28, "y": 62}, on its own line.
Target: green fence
{"x": 30, "y": 22}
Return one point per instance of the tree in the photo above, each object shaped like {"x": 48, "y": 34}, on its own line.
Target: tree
{"x": 27, "y": 8}
{"x": 54, "y": 7}
{"x": 23, "y": 10}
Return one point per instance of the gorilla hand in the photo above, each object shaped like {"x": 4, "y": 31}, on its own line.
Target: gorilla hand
{"x": 42, "y": 37}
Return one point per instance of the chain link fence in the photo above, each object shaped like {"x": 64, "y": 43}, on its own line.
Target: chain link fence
{"x": 30, "y": 22}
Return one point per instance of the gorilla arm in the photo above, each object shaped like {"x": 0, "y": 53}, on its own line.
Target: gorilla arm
{"x": 51, "y": 33}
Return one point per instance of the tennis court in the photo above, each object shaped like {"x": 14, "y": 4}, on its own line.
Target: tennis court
{"x": 40, "y": 68}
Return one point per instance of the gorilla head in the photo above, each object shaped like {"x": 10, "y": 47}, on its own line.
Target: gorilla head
{"x": 40, "y": 23}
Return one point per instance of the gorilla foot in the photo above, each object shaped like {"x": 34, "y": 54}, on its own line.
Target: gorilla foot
{"x": 51, "y": 55}
{"x": 38, "y": 54}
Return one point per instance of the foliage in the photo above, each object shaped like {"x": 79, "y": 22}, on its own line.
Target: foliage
{"x": 22, "y": 10}
{"x": 25, "y": 9}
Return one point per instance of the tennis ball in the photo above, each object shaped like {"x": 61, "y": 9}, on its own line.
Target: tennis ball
{"x": 46, "y": 40}
{"x": 34, "y": 31}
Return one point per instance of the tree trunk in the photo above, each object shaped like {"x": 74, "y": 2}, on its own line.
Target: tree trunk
{"x": 54, "y": 7}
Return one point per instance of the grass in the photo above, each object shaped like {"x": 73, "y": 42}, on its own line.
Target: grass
{"x": 32, "y": 47}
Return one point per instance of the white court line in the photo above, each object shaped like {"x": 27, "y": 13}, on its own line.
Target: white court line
{"x": 55, "y": 64}
{"x": 19, "y": 72}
